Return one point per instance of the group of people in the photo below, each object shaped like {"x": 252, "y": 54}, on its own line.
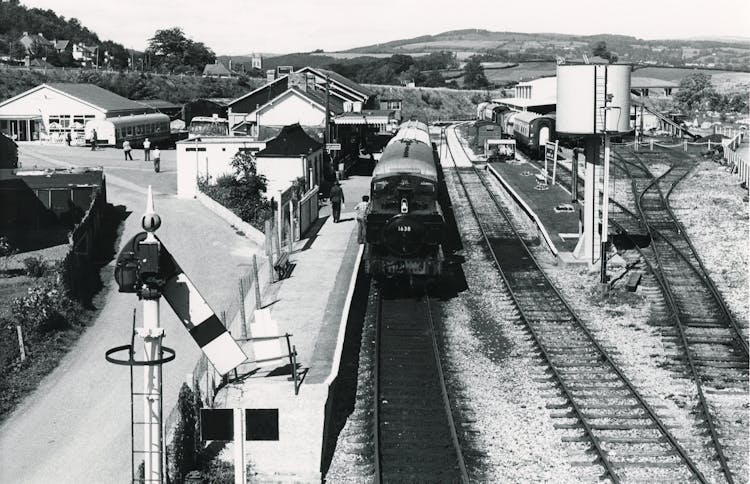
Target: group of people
{"x": 360, "y": 210}
{"x": 126, "y": 148}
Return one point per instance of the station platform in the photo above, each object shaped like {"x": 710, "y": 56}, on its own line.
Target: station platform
{"x": 313, "y": 305}
{"x": 549, "y": 206}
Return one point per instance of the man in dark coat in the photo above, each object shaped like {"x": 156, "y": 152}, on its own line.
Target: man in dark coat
{"x": 337, "y": 201}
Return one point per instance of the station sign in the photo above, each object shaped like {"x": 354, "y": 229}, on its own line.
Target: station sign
{"x": 550, "y": 150}
{"x": 333, "y": 146}
{"x": 260, "y": 424}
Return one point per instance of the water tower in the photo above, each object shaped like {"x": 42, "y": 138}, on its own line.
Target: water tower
{"x": 593, "y": 101}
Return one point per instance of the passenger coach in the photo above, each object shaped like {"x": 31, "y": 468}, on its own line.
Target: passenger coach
{"x": 136, "y": 128}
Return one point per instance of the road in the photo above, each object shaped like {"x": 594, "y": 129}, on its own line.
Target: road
{"x": 76, "y": 427}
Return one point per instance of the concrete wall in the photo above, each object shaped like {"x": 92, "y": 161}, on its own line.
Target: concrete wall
{"x": 212, "y": 159}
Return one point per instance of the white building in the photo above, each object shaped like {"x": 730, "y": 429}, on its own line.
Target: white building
{"x": 291, "y": 155}
{"x": 295, "y": 105}
{"x": 282, "y": 160}
{"x": 50, "y": 111}
{"x": 208, "y": 158}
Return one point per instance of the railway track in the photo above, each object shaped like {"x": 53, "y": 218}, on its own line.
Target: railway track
{"x": 697, "y": 323}
{"x": 415, "y": 435}
{"x": 595, "y": 403}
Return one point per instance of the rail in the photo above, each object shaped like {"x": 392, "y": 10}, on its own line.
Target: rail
{"x": 536, "y": 327}
{"x": 659, "y": 267}
{"x": 412, "y": 407}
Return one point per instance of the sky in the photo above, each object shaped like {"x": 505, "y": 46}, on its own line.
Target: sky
{"x": 283, "y": 26}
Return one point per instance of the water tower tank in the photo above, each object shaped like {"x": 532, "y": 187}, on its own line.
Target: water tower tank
{"x": 582, "y": 91}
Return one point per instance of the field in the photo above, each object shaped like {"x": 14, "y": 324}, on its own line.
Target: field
{"x": 427, "y": 103}
{"x": 723, "y": 80}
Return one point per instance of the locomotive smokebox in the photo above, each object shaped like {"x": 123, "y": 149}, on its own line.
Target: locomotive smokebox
{"x": 592, "y": 95}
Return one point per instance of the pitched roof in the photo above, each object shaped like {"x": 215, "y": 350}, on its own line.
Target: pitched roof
{"x": 264, "y": 87}
{"x": 61, "y": 44}
{"x": 159, "y": 104}
{"x": 335, "y": 104}
{"x": 97, "y": 96}
{"x": 31, "y": 38}
{"x": 216, "y": 70}
{"x": 341, "y": 80}
{"x": 291, "y": 141}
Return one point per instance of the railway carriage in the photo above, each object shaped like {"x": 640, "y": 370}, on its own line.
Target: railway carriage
{"x": 136, "y": 128}
{"x": 405, "y": 223}
{"x": 532, "y": 131}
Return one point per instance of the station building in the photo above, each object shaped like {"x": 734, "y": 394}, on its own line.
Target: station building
{"x": 283, "y": 158}
{"x": 308, "y": 97}
{"x": 50, "y": 111}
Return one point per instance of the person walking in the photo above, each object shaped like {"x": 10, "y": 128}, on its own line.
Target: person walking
{"x": 157, "y": 159}
{"x": 361, "y": 213}
{"x": 146, "y": 150}
{"x": 68, "y": 138}
{"x": 93, "y": 140}
{"x": 126, "y": 149}
{"x": 337, "y": 201}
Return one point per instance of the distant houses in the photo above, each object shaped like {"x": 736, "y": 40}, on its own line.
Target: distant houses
{"x": 37, "y": 46}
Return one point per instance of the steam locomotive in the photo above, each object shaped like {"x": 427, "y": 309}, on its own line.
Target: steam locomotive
{"x": 405, "y": 223}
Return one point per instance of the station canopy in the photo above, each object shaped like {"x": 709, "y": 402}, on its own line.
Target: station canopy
{"x": 379, "y": 118}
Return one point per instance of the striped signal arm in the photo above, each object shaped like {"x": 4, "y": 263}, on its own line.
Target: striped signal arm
{"x": 197, "y": 316}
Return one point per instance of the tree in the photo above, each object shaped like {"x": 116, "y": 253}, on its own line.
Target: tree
{"x": 474, "y": 77}
{"x": 600, "y": 49}
{"x": 186, "y": 444}
{"x": 695, "y": 92}
{"x": 434, "y": 79}
{"x": 170, "y": 49}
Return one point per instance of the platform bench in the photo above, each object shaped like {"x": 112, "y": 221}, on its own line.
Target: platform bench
{"x": 282, "y": 265}
{"x": 633, "y": 280}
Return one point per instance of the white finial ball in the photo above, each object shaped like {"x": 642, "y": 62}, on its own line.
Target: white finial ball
{"x": 150, "y": 222}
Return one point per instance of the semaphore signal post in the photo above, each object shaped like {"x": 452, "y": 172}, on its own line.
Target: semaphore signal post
{"x": 146, "y": 268}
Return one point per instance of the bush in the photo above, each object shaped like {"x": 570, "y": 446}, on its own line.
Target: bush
{"x": 242, "y": 193}
{"x": 36, "y": 266}
{"x": 186, "y": 448}
{"x": 45, "y": 308}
